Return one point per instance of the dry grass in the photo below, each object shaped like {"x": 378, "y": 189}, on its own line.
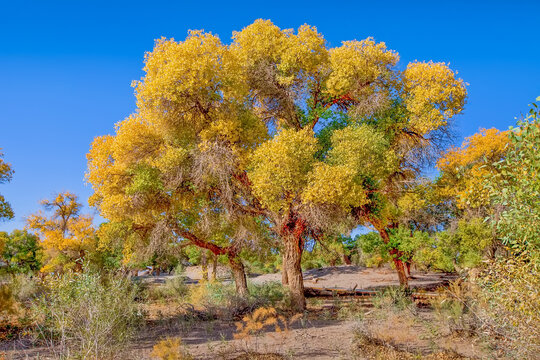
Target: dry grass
{"x": 375, "y": 349}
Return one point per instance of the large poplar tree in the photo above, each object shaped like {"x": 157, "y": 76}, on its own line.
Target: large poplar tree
{"x": 274, "y": 130}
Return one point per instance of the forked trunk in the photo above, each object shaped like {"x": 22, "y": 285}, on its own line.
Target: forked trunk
{"x": 239, "y": 275}
{"x": 292, "y": 260}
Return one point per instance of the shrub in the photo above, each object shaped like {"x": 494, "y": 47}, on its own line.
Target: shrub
{"x": 510, "y": 295}
{"x": 221, "y": 301}
{"x": 170, "y": 349}
{"x": 394, "y": 298}
{"x": 86, "y": 314}
{"x": 174, "y": 288}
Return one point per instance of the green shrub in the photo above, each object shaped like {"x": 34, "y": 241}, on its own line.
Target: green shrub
{"x": 87, "y": 315}
{"x": 173, "y": 288}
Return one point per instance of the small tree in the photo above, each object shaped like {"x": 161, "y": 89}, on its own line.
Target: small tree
{"x": 6, "y": 174}
{"x": 66, "y": 235}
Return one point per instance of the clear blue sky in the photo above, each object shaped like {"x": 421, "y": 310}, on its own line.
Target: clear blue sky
{"x": 66, "y": 66}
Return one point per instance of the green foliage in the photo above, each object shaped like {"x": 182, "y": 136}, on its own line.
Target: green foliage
{"x": 463, "y": 247}
{"x": 372, "y": 249}
{"x": 87, "y": 314}
{"x": 511, "y": 286}
{"x": 407, "y": 241}
{"x": 174, "y": 288}
{"x": 145, "y": 180}
{"x": 21, "y": 251}
{"x": 517, "y": 188}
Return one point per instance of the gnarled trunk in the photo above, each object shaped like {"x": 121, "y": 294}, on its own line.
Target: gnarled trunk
{"x": 239, "y": 275}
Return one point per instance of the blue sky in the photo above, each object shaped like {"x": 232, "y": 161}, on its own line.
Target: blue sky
{"x": 66, "y": 66}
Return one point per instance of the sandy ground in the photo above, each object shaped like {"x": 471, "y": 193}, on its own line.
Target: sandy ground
{"x": 316, "y": 339}
{"x": 342, "y": 277}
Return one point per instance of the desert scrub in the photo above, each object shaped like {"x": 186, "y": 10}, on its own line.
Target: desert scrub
{"x": 86, "y": 315}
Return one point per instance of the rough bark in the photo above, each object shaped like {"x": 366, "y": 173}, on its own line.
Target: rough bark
{"x": 292, "y": 257}
{"x": 284, "y": 277}
{"x": 239, "y": 275}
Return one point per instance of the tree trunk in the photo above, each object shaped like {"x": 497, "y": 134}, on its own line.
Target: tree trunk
{"x": 292, "y": 259}
{"x": 400, "y": 268}
{"x": 395, "y": 254}
{"x": 239, "y": 275}
{"x": 214, "y": 267}
{"x": 204, "y": 265}
{"x": 284, "y": 278}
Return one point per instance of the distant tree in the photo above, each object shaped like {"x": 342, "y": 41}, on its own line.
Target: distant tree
{"x": 6, "y": 174}
{"x": 67, "y": 236}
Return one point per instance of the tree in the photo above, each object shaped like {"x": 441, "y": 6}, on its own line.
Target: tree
{"x": 511, "y": 284}
{"x": 67, "y": 236}
{"x": 21, "y": 251}
{"x": 274, "y": 130}
{"x": 6, "y": 174}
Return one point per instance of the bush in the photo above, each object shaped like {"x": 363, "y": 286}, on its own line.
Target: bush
{"x": 510, "y": 295}
{"x": 221, "y": 301}
{"x": 170, "y": 349}
{"x": 87, "y": 315}
{"x": 394, "y": 299}
{"x": 174, "y": 288}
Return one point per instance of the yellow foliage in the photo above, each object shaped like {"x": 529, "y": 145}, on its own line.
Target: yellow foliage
{"x": 281, "y": 167}
{"x": 66, "y": 235}
{"x": 432, "y": 94}
{"x": 261, "y": 318}
{"x": 170, "y": 349}
{"x": 357, "y": 65}
{"x": 465, "y": 169}
{"x": 334, "y": 184}
{"x": 208, "y": 114}
{"x": 364, "y": 150}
